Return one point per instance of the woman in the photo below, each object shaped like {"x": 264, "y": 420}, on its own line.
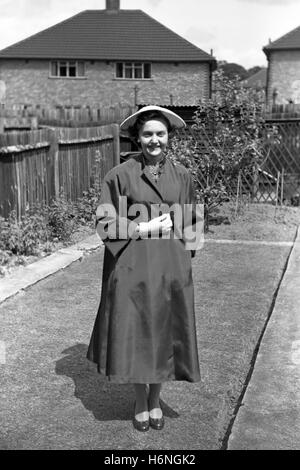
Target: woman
{"x": 144, "y": 332}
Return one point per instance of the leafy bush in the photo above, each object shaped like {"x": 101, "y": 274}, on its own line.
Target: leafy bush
{"x": 62, "y": 218}
{"x": 88, "y": 203}
{"x": 228, "y": 137}
{"x": 23, "y": 237}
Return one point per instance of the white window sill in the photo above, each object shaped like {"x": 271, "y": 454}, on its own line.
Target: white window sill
{"x": 134, "y": 79}
{"x": 67, "y": 78}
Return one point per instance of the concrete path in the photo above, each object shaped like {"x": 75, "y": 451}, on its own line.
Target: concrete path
{"x": 29, "y": 275}
{"x": 269, "y": 416}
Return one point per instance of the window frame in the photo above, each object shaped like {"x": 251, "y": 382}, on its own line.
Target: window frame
{"x": 132, "y": 68}
{"x": 69, "y": 64}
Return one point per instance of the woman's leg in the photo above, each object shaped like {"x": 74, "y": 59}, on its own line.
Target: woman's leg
{"x": 154, "y": 406}
{"x": 141, "y": 402}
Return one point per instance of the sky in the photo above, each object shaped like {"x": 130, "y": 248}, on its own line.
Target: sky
{"x": 236, "y": 30}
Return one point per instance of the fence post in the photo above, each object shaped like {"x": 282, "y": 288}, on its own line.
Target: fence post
{"x": 53, "y": 154}
{"x": 282, "y": 184}
{"x": 2, "y": 125}
{"x": 116, "y": 134}
{"x": 238, "y": 191}
{"x": 255, "y": 185}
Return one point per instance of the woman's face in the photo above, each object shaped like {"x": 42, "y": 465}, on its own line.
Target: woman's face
{"x": 153, "y": 137}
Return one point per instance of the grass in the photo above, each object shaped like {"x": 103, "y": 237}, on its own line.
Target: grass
{"x": 254, "y": 222}
{"x": 235, "y": 288}
{"x": 57, "y": 401}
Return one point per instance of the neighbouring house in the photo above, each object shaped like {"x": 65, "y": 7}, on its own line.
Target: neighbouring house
{"x": 283, "y": 74}
{"x": 102, "y": 58}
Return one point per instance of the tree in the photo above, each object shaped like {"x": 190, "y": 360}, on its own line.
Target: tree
{"x": 231, "y": 70}
{"x": 227, "y": 138}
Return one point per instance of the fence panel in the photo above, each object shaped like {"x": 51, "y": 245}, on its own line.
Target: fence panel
{"x": 36, "y": 166}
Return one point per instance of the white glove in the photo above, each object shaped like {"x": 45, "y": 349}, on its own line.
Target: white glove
{"x": 161, "y": 224}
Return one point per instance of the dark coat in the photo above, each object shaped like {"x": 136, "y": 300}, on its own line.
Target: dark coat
{"x": 145, "y": 327}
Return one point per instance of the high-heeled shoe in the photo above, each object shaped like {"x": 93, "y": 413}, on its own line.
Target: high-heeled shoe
{"x": 141, "y": 426}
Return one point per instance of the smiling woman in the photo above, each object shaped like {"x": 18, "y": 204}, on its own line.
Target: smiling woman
{"x": 144, "y": 331}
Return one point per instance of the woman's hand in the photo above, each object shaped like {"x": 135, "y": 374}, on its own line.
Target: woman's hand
{"x": 158, "y": 225}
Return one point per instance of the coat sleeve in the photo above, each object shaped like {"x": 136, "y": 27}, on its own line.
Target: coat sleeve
{"x": 193, "y": 218}
{"x": 112, "y": 225}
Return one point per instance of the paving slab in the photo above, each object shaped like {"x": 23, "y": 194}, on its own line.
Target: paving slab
{"x": 269, "y": 416}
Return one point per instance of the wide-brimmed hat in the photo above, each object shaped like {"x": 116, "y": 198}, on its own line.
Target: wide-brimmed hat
{"x": 175, "y": 120}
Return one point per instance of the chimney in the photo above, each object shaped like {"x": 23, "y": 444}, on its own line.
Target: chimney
{"x": 112, "y": 5}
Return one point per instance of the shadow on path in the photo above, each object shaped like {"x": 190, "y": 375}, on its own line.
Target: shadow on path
{"x": 107, "y": 401}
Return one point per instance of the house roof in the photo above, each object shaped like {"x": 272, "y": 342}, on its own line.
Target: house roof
{"x": 106, "y": 35}
{"x": 290, "y": 40}
{"x": 258, "y": 80}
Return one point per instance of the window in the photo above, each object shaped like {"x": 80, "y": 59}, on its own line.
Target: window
{"x": 67, "y": 68}
{"x": 133, "y": 70}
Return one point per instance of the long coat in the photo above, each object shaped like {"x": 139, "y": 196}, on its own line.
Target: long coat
{"x": 144, "y": 331}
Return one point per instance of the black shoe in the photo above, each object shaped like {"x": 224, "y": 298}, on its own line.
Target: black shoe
{"x": 157, "y": 423}
{"x": 142, "y": 426}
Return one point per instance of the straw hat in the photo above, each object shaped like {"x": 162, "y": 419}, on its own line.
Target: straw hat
{"x": 175, "y": 120}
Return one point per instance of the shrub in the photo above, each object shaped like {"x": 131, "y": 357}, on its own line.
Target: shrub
{"x": 62, "y": 218}
{"x": 23, "y": 237}
{"x": 227, "y": 137}
{"x": 88, "y": 203}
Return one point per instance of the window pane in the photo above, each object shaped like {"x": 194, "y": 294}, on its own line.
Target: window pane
{"x": 80, "y": 69}
{"x": 62, "y": 69}
{"x": 138, "y": 72}
{"x": 119, "y": 70}
{"x": 128, "y": 72}
{"x": 72, "y": 69}
{"x": 147, "y": 70}
{"x": 54, "y": 69}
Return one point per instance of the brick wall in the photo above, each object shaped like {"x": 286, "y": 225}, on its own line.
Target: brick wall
{"x": 284, "y": 77}
{"x": 28, "y": 82}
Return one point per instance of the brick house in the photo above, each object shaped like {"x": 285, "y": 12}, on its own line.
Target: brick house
{"x": 105, "y": 57}
{"x": 283, "y": 73}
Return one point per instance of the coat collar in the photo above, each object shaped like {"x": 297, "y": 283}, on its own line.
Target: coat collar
{"x": 158, "y": 187}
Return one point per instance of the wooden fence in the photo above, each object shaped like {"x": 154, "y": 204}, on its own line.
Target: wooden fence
{"x": 36, "y": 166}
{"x": 283, "y": 112}
{"x": 30, "y": 117}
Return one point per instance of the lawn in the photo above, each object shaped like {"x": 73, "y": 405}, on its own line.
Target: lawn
{"x": 57, "y": 401}
{"x": 262, "y": 222}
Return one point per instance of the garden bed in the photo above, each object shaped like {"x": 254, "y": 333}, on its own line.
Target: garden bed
{"x": 15, "y": 260}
